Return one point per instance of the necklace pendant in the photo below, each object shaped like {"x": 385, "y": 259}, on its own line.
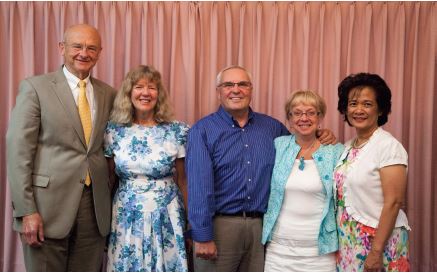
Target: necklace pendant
{"x": 301, "y": 163}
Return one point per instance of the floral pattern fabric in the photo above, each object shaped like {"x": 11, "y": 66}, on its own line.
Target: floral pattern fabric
{"x": 355, "y": 238}
{"x": 147, "y": 209}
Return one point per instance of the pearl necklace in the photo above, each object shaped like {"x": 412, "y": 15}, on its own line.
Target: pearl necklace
{"x": 354, "y": 144}
{"x": 302, "y": 159}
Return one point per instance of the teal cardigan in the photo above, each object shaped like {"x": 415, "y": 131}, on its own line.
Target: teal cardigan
{"x": 325, "y": 157}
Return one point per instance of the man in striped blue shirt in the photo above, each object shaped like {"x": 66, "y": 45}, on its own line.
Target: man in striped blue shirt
{"x": 229, "y": 162}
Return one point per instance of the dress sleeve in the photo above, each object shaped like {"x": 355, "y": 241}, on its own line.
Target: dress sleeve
{"x": 393, "y": 154}
{"x": 181, "y": 139}
{"x": 108, "y": 140}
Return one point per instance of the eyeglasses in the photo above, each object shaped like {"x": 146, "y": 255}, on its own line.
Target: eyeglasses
{"x": 242, "y": 85}
{"x": 300, "y": 114}
{"x": 80, "y": 47}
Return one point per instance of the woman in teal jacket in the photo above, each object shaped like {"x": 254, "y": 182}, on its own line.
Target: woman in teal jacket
{"x": 299, "y": 225}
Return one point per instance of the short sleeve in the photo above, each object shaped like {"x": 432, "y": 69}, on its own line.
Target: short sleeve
{"x": 108, "y": 140}
{"x": 181, "y": 132}
{"x": 393, "y": 153}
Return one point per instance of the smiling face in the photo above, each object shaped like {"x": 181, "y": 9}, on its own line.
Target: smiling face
{"x": 144, "y": 97}
{"x": 235, "y": 99}
{"x": 362, "y": 110}
{"x": 81, "y": 49}
{"x": 304, "y": 119}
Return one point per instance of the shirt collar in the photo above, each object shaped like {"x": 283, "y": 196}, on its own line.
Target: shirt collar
{"x": 228, "y": 117}
{"x": 72, "y": 79}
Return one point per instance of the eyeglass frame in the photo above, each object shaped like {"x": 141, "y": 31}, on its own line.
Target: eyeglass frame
{"x": 239, "y": 85}
{"x": 75, "y": 47}
{"x": 300, "y": 114}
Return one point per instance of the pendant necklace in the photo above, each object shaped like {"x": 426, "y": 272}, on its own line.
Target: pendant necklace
{"x": 302, "y": 159}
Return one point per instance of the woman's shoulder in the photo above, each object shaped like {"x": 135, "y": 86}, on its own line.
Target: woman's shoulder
{"x": 179, "y": 124}
{"x": 284, "y": 139}
{"x": 113, "y": 126}
{"x": 385, "y": 136}
{"x": 388, "y": 147}
{"x": 178, "y": 129}
{"x": 335, "y": 147}
{"x": 333, "y": 151}
{"x": 384, "y": 141}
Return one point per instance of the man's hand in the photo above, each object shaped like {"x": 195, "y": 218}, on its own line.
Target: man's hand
{"x": 33, "y": 232}
{"x": 326, "y": 137}
{"x": 205, "y": 250}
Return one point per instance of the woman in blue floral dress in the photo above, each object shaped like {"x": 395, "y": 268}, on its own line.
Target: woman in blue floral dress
{"x": 146, "y": 151}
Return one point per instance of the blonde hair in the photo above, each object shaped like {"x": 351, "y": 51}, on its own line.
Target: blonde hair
{"x": 307, "y": 97}
{"x": 123, "y": 110}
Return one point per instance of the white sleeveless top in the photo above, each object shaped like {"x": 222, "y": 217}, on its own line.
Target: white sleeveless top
{"x": 299, "y": 220}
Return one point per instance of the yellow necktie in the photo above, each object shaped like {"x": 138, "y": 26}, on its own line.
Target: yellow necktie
{"x": 85, "y": 118}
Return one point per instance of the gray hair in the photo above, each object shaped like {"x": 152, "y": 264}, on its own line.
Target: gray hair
{"x": 218, "y": 79}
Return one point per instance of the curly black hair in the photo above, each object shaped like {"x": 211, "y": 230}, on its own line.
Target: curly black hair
{"x": 362, "y": 80}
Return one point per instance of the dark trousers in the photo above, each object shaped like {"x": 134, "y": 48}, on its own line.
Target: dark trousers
{"x": 81, "y": 250}
{"x": 239, "y": 248}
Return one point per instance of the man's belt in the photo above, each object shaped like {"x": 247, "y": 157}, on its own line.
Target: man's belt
{"x": 244, "y": 214}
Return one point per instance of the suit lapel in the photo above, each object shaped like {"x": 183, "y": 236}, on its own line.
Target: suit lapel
{"x": 63, "y": 92}
{"x": 99, "y": 103}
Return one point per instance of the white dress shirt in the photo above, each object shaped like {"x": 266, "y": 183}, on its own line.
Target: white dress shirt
{"x": 73, "y": 83}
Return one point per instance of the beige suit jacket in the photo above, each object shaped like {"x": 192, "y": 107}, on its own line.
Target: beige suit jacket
{"x": 47, "y": 158}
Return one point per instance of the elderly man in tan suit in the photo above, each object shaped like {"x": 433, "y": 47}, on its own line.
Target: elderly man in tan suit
{"x": 56, "y": 169}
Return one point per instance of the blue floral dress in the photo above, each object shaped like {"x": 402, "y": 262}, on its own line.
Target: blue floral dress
{"x": 147, "y": 209}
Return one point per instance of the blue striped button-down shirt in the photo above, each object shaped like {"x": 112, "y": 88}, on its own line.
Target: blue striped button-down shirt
{"x": 228, "y": 167}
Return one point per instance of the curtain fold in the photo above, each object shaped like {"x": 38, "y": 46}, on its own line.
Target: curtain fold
{"x": 286, "y": 45}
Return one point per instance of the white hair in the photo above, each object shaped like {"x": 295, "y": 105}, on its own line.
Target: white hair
{"x": 218, "y": 80}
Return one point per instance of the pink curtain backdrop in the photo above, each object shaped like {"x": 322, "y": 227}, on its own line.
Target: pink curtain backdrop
{"x": 286, "y": 46}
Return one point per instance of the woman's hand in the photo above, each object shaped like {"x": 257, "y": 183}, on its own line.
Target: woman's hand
{"x": 373, "y": 262}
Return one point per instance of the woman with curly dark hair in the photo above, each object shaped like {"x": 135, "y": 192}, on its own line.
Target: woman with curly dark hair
{"x": 370, "y": 179}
